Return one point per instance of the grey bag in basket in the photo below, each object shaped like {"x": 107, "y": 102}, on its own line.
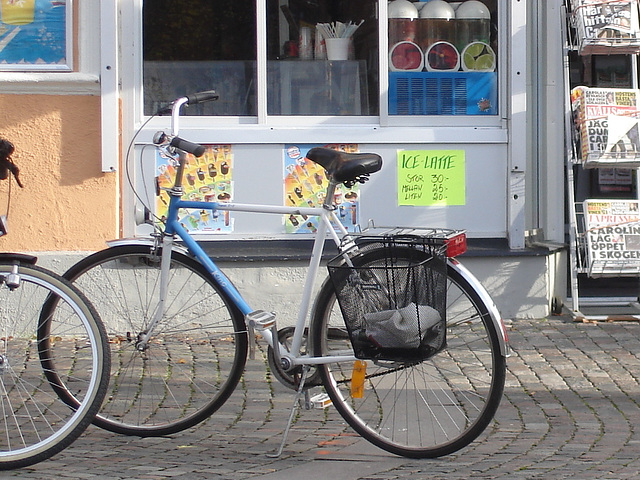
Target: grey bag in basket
{"x": 400, "y": 328}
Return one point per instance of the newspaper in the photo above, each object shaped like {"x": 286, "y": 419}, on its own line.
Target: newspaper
{"x": 606, "y": 26}
{"x": 607, "y": 126}
{"x": 612, "y": 237}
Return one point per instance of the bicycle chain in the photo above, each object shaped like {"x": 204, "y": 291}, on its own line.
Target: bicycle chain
{"x": 379, "y": 374}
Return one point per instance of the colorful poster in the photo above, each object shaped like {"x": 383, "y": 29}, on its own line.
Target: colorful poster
{"x": 206, "y": 179}
{"x": 305, "y": 185}
{"x": 431, "y": 177}
{"x": 33, "y": 34}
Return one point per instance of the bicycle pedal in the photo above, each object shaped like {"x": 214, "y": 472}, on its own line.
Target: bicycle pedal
{"x": 320, "y": 401}
{"x": 261, "y": 320}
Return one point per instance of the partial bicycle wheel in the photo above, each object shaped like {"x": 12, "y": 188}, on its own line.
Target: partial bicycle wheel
{"x": 419, "y": 409}
{"x": 35, "y": 422}
{"x": 195, "y": 355}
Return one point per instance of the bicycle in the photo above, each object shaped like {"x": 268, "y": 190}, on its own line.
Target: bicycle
{"x": 181, "y": 331}
{"x": 42, "y": 353}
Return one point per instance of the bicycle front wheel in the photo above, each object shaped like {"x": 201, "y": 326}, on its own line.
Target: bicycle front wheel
{"x": 418, "y": 409}
{"x": 194, "y": 357}
{"x": 35, "y": 422}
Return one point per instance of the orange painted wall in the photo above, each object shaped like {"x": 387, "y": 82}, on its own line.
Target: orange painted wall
{"x": 68, "y": 203}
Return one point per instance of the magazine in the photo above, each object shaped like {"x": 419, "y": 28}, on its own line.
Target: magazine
{"x": 607, "y": 128}
{"x": 612, "y": 237}
{"x": 606, "y": 27}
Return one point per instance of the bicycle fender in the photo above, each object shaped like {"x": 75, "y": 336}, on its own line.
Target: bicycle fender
{"x": 145, "y": 241}
{"x": 488, "y": 301}
{"x": 18, "y": 257}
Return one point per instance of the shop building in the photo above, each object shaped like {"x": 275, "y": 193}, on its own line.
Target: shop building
{"x": 465, "y": 101}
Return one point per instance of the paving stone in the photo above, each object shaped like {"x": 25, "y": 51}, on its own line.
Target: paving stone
{"x": 570, "y": 410}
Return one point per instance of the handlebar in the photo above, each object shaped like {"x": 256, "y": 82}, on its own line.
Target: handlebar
{"x": 177, "y": 142}
{"x": 189, "y": 147}
{"x": 201, "y": 97}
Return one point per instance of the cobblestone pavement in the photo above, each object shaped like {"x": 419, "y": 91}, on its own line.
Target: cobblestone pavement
{"x": 571, "y": 409}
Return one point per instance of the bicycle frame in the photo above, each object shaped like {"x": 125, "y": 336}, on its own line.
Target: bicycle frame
{"x": 328, "y": 225}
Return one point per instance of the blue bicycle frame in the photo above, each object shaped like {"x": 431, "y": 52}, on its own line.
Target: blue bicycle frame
{"x": 329, "y": 224}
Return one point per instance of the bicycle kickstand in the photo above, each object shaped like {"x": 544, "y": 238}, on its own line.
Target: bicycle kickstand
{"x": 294, "y": 408}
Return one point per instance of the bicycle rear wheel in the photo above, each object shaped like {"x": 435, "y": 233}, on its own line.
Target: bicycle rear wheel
{"x": 195, "y": 356}
{"x": 418, "y": 409}
{"x": 34, "y": 422}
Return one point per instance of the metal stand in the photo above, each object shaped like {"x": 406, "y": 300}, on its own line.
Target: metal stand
{"x": 579, "y": 263}
{"x": 294, "y": 408}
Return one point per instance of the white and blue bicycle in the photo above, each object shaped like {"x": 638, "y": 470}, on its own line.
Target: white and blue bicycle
{"x": 403, "y": 340}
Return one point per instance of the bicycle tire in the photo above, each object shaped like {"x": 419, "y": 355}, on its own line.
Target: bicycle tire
{"x": 193, "y": 361}
{"x": 36, "y": 423}
{"x": 421, "y": 409}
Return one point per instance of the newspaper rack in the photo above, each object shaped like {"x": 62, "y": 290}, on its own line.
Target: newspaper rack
{"x": 602, "y": 132}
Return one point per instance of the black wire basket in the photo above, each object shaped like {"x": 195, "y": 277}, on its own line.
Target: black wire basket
{"x": 392, "y": 295}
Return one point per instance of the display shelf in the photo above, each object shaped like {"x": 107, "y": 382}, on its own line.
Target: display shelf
{"x": 601, "y": 131}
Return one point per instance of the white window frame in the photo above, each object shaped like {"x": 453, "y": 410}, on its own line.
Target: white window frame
{"x": 461, "y": 130}
{"x": 266, "y": 128}
{"x": 83, "y": 79}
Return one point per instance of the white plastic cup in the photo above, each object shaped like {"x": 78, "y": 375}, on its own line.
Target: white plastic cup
{"x": 337, "y": 48}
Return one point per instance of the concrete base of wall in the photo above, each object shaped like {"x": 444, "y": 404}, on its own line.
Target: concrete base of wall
{"x": 521, "y": 286}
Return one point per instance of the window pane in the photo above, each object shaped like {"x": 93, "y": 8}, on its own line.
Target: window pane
{"x": 196, "y": 45}
{"x": 301, "y": 79}
{"x": 443, "y": 58}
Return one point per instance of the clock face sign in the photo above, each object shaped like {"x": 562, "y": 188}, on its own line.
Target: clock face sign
{"x": 478, "y": 57}
{"x": 406, "y": 56}
{"x": 442, "y": 57}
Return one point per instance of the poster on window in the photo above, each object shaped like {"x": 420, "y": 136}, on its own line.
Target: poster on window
{"x": 612, "y": 236}
{"x": 206, "y": 179}
{"x": 305, "y": 184}
{"x": 431, "y": 177}
{"x": 34, "y": 35}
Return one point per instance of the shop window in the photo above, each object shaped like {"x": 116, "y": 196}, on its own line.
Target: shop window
{"x": 207, "y": 44}
{"x": 212, "y": 44}
{"x": 311, "y": 73}
{"x": 442, "y": 58}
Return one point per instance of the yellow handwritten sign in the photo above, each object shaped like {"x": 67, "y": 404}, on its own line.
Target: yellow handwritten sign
{"x": 431, "y": 177}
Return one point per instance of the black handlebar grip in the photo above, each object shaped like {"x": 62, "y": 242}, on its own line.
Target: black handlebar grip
{"x": 187, "y": 146}
{"x": 200, "y": 97}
